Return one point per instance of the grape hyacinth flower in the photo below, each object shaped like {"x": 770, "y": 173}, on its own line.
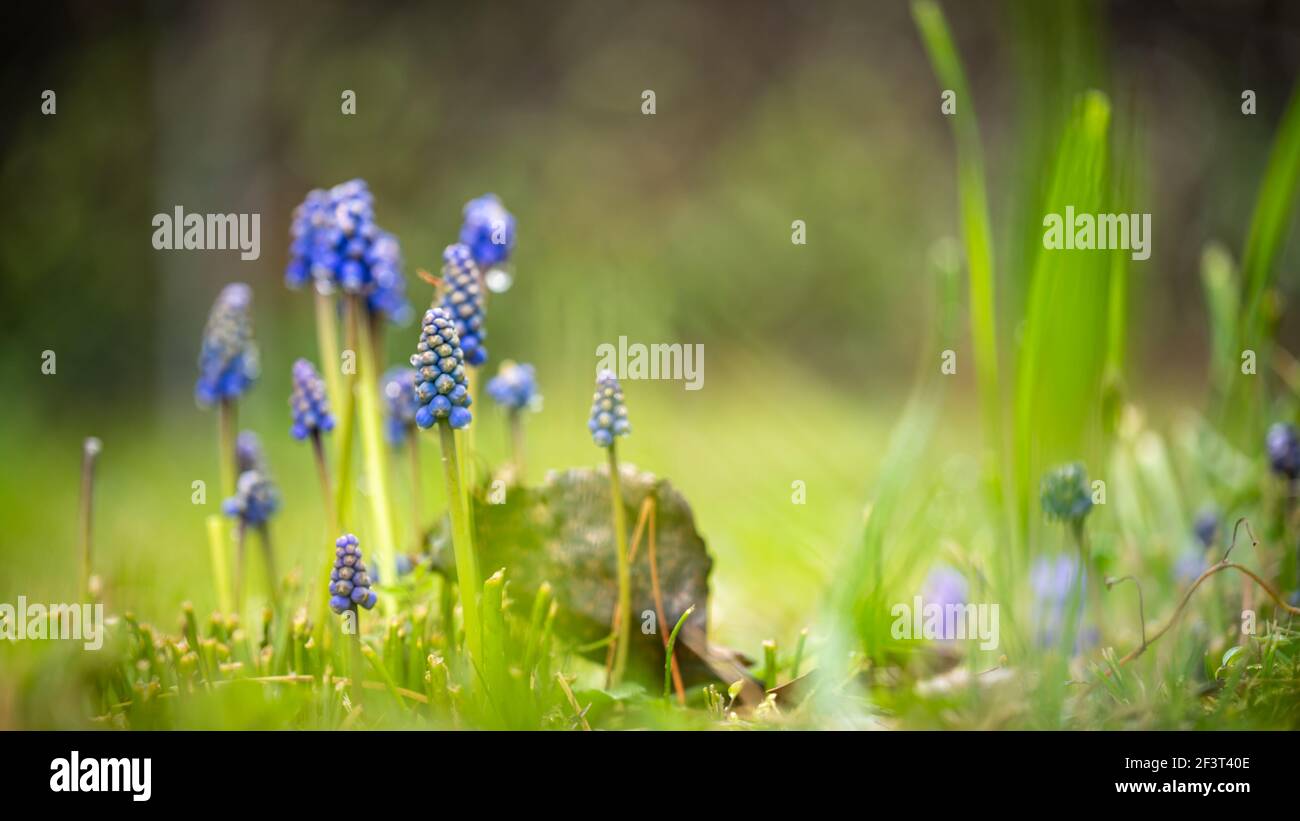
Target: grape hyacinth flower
{"x": 311, "y": 408}
{"x": 308, "y": 218}
{"x": 1283, "y": 447}
{"x": 515, "y": 389}
{"x": 444, "y": 401}
{"x": 401, "y": 402}
{"x": 608, "y": 413}
{"x": 463, "y": 301}
{"x": 248, "y": 452}
{"x": 608, "y": 422}
{"x": 349, "y": 581}
{"x": 228, "y": 364}
{"x": 488, "y": 231}
{"x": 254, "y": 503}
{"x": 1056, "y": 583}
{"x": 946, "y": 588}
{"x": 1206, "y": 527}
{"x": 439, "y": 360}
{"x": 1066, "y": 494}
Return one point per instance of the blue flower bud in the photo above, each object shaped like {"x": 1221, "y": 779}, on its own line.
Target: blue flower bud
{"x": 608, "y": 413}
{"x": 311, "y": 408}
{"x": 248, "y": 452}
{"x": 350, "y": 585}
{"x": 255, "y": 499}
{"x": 1283, "y": 450}
{"x": 1065, "y": 493}
{"x": 401, "y": 403}
{"x": 228, "y": 356}
{"x": 441, "y": 395}
{"x": 514, "y": 387}
{"x": 463, "y": 301}
{"x": 488, "y": 231}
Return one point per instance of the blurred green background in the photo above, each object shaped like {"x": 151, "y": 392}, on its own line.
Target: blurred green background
{"x": 674, "y": 227}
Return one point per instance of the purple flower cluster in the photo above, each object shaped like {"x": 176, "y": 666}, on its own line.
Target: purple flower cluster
{"x": 228, "y": 363}
{"x": 311, "y": 407}
{"x": 336, "y": 243}
{"x": 440, "y": 363}
{"x": 463, "y": 300}
{"x": 349, "y": 581}
{"x": 488, "y": 231}
{"x": 255, "y": 499}
{"x": 400, "y": 403}
{"x": 514, "y": 387}
{"x": 608, "y": 413}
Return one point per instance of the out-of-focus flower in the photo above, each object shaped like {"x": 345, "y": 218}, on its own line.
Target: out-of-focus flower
{"x": 255, "y": 499}
{"x": 248, "y": 452}
{"x": 488, "y": 230}
{"x": 337, "y": 244}
{"x": 349, "y": 581}
{"x": 514, "y": 387}
{"x": 400, "y": 403}
{"x": 311, "y": 407}
{"x": 228, "y": 356}
{"x": 439, "y": 360}
{"x": 1206, "y": 527}
{"x": 1283, "y": 450}
{"x": 1065, "y": 493}
{"x": 463, "y": 301}
{"x": 946, "y": 588}
{"x": 1057, "y": 586}
{"x": 608, "y": 412}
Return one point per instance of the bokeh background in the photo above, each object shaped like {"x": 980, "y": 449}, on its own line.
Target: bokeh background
{"x": 674, "y": 227}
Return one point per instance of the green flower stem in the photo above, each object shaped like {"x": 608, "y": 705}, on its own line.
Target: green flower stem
{"x": 417, "y": 490}
{"x": 769, "y": 664}
{"x": 624, "y": 617}
{"x": 220, "y": 562}
{"x": 327, "y": 339}
{"x": 517, "y": 445}
{"x": 326, "y": 487}
{"x": 346, "y": 432}
{"x": 467, "y": 574}
{"x": 241, "y": 537}
{"x": 90, "y": 451}
{"x": 668, "y": 651}
{"x": 372, "y": 444}
{"x": 268, "y": 554}
{"x": 798, "y": 654}
{"x": 357, "y": 667}
{"x": 227, "y": 421}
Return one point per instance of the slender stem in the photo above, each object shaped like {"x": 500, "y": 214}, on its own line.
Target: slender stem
{"x": 798, "y": 654}
{"x": 467, "y": 573}
{"x": 624, "y": 616}
{"x": 327, "y": 491}
{"x": 417, "y": 490}
{"x": 358, "y": 669}
{"x": 467, "y": 464}
{"x": 517, "y": 444}
{"x": 327, "y": 338}
{"x": 90, "y": 452}
{"x": 227, "y": 420}
{"x": 272, "y": 578}
{"x": 220, "y": 562}
{"x": 672, "y": 642}
{"x": 346, "y": 432}
{"x": 241, "y": 533}
{"x": 372, "y": 444}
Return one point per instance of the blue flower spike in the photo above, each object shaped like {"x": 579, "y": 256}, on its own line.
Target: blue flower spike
{"x": 514, "y": 387}
{"x": 401, "y": 402}
{"x": 463, "y": 301}
{"x": 1283, "y": 447}
{"x": 255, "y": 499}
{"x": 311, "y": 409}
{"x": 488, "y": 231}
{"x": 608, "y": 412}
{"x": 1066, "y": 494}
{"x": 228, "y": 363}
{"x": 349, "y": 581}
{"x": 439, "y": 361}
{"x": 336, "y": 243}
